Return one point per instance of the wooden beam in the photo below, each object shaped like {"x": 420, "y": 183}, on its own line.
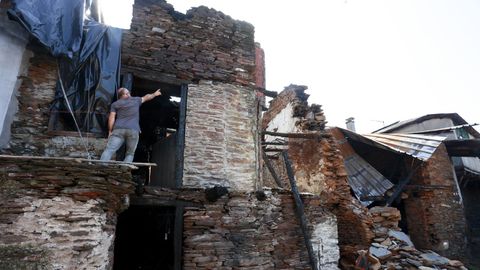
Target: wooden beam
{"x": 399, "y": 188}
{"x": 132, "y": 165}
{"x": 271, "y": 169}
{"x": 298, "y": 135}
{"x": 274, "y": 143}
{"x": 178, "y": 237}
{"x": 180, "y": 150}
{"x": 273, "y": 150}
{"x": 299, "y": 209}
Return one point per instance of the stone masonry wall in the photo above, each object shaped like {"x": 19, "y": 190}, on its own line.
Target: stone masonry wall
{"x": 434, "y": 214}
{"x": 304, "y": 116}
{"x": 220, "y": 144}
{"x": 318, "y": 166}
{"x": 203, "y": 44}
{"x": 29, "y": 130}
{"x": 59, "y": 213}
{"x": 246, "y": 231}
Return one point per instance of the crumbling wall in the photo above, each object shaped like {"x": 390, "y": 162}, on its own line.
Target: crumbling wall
{"x": 58, "y": 213}
{"x": 29, "y": 130}
{"x": 220, "y": 137}
{"x": 249, "y": 230}
{"x": 290, "y": 112}
{"x": 165, "y": 45}
{"x": 434, "y": 212}
{"x": 317, "y": 164}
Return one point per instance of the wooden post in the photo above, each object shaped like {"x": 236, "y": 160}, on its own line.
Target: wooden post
{"x": 271, "y": 169}
{"x": 300, "y": 212}
{"x": 179, "y": 155}
{"x": 178, "y": 237}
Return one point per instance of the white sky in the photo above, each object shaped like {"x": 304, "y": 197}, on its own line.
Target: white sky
{"x": 378, "y": 61}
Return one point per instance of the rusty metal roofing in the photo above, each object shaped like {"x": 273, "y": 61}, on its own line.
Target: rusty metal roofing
{"x": 364, "y": 180}
{"x": 418, "y": 146}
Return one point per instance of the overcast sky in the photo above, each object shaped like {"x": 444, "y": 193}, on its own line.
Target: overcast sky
{"x": 378, "y": 61}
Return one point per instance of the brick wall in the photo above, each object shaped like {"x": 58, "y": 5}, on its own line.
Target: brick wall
{"x": 203, "y": 44}
{"x": 29, "y": 130}
{"x": 220, "y": 138}
{"x": 434, "y": 214}
{"x": 58, "y": 213}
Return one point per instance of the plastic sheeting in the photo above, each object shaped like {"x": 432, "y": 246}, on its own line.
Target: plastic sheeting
{"x": 57, "y": 24}
{"x": 88, "y": 55}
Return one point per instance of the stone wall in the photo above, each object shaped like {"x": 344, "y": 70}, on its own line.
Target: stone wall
{"x": 220, "y": 139}
{"x": 290, "y": 112}
{"x": 434, "y": 211}
{"x": 318, "y": 166}
{"x": 29, "y": 130}
{"x": 163, "y": 44}
{"x": 248, "y": 231}
{"x": 259, "y": 66}
{"x": 59, "y": 213}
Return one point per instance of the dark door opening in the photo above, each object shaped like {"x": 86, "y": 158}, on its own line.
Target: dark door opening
{"x": 144, "y": 238}
{"x": 162, "y": 121}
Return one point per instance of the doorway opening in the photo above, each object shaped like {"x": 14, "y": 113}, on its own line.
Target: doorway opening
{"x": 162, "y": 123}
{"x": 144, "y": 238}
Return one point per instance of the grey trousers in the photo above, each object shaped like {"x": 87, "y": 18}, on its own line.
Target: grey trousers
{"x": 116, "y": 140}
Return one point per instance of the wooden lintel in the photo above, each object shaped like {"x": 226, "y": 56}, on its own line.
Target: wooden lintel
{"x": 298, "y": 135}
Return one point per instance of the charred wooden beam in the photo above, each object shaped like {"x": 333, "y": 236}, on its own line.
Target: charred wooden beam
{"x": 298, "y": 135}
{"x": 178, "y": 237}
{"x": 274, "y": 143}
{"x": 273, "y": 150}
{"x": 272, "y": 170}
{"x": 427, "y": 187}
{"x": 180, "y": 150}
{"x": 299, "y": 209}
{"x": 399, "y": 188}
{"x": 372, "y": 198}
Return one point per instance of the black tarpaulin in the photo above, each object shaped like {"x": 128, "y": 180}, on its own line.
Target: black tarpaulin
{"x": 88, "y": 55}
{"x": 57, "y": 24}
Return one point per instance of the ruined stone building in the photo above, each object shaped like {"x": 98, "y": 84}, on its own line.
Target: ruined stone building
{"x": 214, "y": 180}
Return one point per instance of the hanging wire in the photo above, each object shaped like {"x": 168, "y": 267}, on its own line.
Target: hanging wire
{"x": 85, "y": 144}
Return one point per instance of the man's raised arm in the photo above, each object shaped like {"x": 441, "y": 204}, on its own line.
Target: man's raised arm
{"x": 148, "y": 97}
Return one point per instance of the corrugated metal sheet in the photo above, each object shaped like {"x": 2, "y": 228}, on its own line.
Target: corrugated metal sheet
{"x": 456, "y": 119}
{"x": 364, "y": 179}
{"x": 419, "y": 146}
{"x": 471, "y": 164}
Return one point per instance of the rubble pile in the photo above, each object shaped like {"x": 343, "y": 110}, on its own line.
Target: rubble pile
{"x": 392, "y": 249}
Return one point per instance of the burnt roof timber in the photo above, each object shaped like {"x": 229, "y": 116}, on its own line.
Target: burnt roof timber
{"x": 463, "y": 148}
